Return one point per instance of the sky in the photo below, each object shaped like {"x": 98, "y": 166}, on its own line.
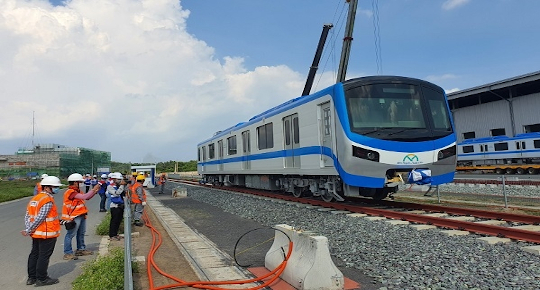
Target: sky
{"x": 149, "y": 79}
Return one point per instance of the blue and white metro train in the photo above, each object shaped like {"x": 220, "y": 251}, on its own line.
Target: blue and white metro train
{"x": 357, "y": 137}
{"x": 522, "y": 150}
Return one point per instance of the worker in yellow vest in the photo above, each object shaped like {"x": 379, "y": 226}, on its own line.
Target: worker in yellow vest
{"x": 42, "y": 224}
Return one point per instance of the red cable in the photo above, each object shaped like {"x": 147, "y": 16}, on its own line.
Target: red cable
{"x": 203, "y": 284}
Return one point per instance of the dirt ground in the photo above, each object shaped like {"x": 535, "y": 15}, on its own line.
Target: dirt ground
{"x": 168, "y": 257}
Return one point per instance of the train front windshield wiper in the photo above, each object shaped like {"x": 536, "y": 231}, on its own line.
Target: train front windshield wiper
{"x": 377, "y": 130}
{"x": 401, "y": 131}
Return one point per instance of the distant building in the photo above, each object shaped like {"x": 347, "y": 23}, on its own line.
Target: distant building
{"x": 53, "y": 159}
{"x": 507, "y": 107}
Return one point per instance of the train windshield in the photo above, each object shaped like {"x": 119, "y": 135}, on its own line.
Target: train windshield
{"x": 398, "y": 112}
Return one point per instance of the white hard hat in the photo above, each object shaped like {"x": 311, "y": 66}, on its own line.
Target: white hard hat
{"x": 75, "y": 177}
{"x": 44, "y": 175}
{"x": 51, "y": 181}
{"x": 103, "y": 175}
{"x": 87, "y": 174}
{"x": 116, "y": 175}
{"x": 110, "y": 175}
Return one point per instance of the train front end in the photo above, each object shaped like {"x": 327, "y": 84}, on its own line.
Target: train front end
{"x": 390, "y": 127}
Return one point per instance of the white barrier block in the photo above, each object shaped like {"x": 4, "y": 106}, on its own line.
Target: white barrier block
{"x": 310, "y": 266}
{"x": 179, "y": 192}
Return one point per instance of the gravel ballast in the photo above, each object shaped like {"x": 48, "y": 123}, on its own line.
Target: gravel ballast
{"x": 397, "y": 256}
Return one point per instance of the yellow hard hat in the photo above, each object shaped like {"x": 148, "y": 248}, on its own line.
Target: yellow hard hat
{"x": 134, "y": 173}
{"x": 140, "y": 177}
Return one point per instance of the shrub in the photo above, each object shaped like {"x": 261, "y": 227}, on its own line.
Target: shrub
{"x": 106, "y": 272}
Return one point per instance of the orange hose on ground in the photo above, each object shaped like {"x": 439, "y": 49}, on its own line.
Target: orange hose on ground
{"x": 203, "y": 284}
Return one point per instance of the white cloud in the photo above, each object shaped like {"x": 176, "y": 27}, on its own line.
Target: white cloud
{"x": 438, "y": 78}
{"x": 451, "y": 4}
{"x": 119, "y": 74}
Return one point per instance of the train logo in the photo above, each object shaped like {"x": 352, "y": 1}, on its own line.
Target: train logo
{"x": 410, "y": 159}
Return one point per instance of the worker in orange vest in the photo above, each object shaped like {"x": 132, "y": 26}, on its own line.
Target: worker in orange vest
{"x": 161, "y": 182}
{"x": 74, "y": 209}
{"x": 37, "y": 188}
{"x": 42, "y": 224}
{"x": 138, "y": 199}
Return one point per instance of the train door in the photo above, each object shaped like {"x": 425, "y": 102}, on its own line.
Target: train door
{"x": 520, "y": 147}
{"x": 484, "y": 151}
{"x": 246, "y": 150}
{"x": 291, "y": 140}
{"x": 220, "y": 155}
{"x": 326, "y": 132}
{"x": 203, "y": 158}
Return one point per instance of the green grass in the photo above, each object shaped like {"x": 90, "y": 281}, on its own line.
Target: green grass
{"x": 15, "y": 189}
{"x": 105, "y": 272}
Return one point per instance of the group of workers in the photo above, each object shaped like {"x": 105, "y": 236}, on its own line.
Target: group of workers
{"x": 42, "y": 221}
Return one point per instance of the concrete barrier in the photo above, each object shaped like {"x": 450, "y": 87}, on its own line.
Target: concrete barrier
{"x": 179, "y": 192}
{"x": 310, "y": 266}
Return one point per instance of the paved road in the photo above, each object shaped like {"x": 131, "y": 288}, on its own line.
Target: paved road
{"x": 14, "y": 248}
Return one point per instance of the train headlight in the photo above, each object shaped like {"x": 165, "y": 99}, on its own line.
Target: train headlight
{"x": 445, "y": 153}
{"x": 365, "y": 154}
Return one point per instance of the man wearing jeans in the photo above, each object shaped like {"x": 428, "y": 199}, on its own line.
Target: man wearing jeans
{"x": 74, "y": 209}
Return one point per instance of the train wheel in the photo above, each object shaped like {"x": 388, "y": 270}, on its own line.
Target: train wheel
{"x": 327, "y": 196}
{"x": 499, "y": 171}
{"x": 509, "y": 170}
{"x": 520, "y": 171}
{"x": 298, "y": 192}
{"x": 380, "y": 194}
{"x": 531, "y": 170}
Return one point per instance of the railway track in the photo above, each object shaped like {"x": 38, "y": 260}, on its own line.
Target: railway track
{"x": 496, "y": 224}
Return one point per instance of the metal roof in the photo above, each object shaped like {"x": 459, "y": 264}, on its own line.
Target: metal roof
{"x": 511, "y": 82}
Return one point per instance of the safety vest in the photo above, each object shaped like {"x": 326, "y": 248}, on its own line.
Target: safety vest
{"x": 72, "y": 207}
{"x": 50, "y": 228}
{"x": 162, "y": 179}
{"x": 134, "y": 196}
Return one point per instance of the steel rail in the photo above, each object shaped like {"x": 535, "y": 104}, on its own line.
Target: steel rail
{"x": 520, "y": 218}
{"x": 478, "y": 228}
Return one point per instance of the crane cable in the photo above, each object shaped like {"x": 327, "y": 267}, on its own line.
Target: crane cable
{"x": 205, "y": 284}
{"x": 377, "y": 36}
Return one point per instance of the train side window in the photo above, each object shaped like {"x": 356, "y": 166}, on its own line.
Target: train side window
{"x": 231, "y": 145}
{"x": 468, "y": 149}
{"x": 265, "y": 136}
{"x": 481, "y": 148}
{"x": 211, "y": 151}
{"x": 246, "y": 145}
{"x": 523, "y": 147}
{"x": 296, "y": 131}
{"x": 287, "y": 132}
{"x": 220, "y": 148}
{"x": 199, "y": 154}
{"x": 517, "y": 145}
{"x": 537, "y": 143}
{"x": 501, "y": 146}
{"x": 203, "y": 153}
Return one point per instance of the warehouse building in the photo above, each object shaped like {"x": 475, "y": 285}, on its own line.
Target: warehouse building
{"x": 503, "y": 108}
{"x": 53, "y": 159}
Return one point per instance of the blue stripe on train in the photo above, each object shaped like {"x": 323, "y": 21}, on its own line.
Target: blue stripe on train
{"x": 350, "y": 179}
